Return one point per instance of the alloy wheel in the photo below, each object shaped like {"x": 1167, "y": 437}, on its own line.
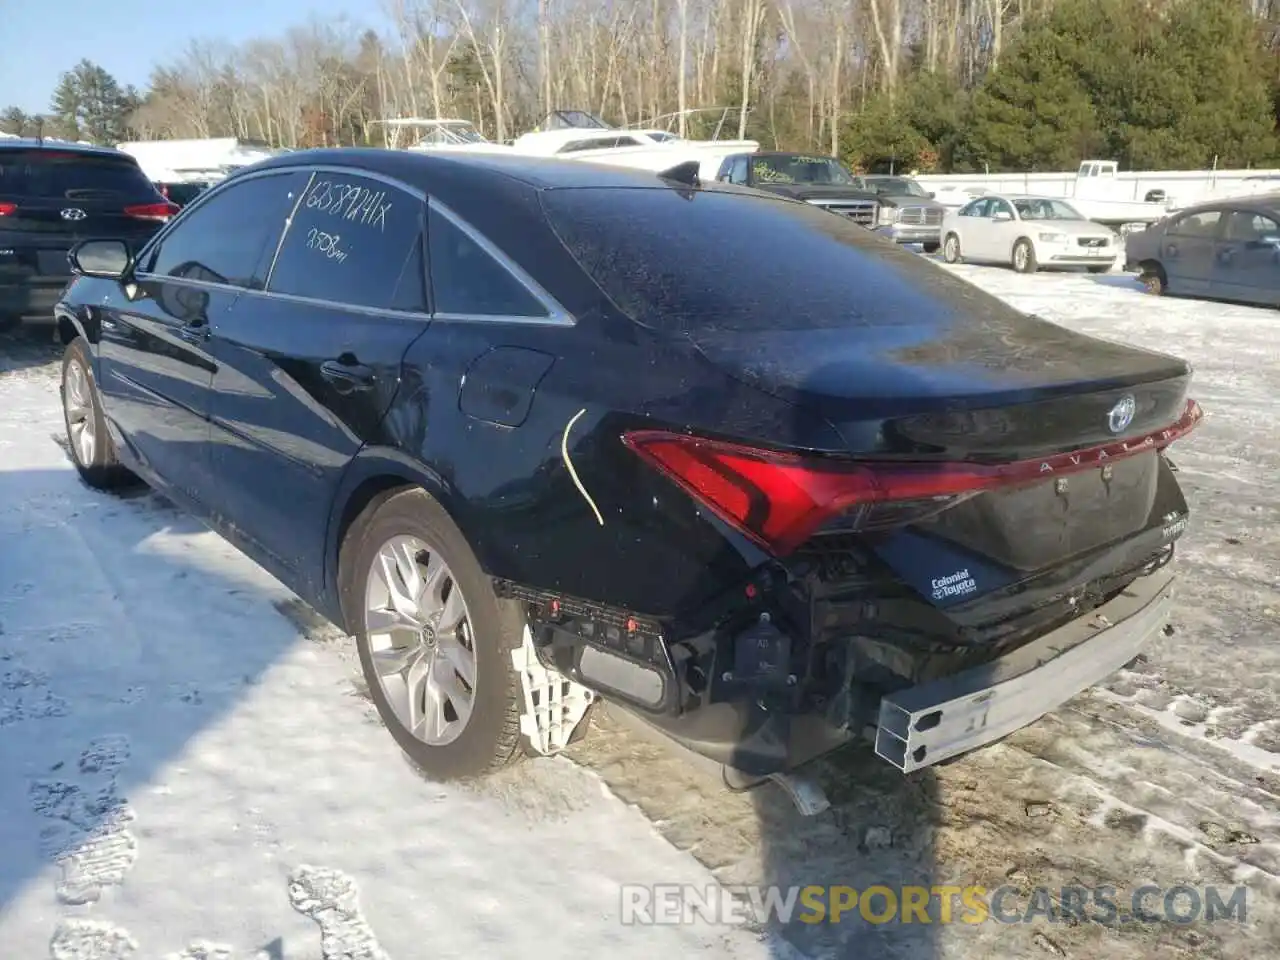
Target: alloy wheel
{"x": 420, "y": 640}
{"x": 77, "y": 400}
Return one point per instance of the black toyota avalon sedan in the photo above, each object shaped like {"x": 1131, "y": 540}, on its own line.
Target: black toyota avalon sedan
{"x": 541, "y": 433}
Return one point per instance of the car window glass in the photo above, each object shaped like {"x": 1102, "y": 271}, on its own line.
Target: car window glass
{"x": 354, "y": 240}
{"x": 1247, "y": 226}
{"x": 229, "y": 237}
{"x": 999, "y": 207}
{"x": 974, "y": 209}
{"x": 72, "y": 175}
{"x": 1202, "y": 224}
{"x": 739, "y": 172}
{"x": 466, "y": 280}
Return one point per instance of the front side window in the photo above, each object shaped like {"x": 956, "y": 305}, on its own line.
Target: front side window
{"x": 229, "y": 237}
{"x": 467, "y": 281}
{"x": 999, "y": 207}
{"x": 978, "y": 208}
{"x": 738, "y": 172}
{"x": 1246, "y": 226}
{"x": 354, "y": 240}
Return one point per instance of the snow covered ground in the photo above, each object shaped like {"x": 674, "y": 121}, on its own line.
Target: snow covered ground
{"x": 187, "y": 769}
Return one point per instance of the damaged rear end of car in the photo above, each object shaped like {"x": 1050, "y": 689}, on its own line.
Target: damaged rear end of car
{"x": 969, "y": 520}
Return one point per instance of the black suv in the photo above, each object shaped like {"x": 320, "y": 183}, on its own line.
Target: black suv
{"x": 54, "y": 194}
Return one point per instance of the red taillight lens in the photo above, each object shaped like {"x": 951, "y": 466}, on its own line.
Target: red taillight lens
{"x": 152, "y": 211}
{"x": 780, "y": 499}
{"x": 8, "y": 209}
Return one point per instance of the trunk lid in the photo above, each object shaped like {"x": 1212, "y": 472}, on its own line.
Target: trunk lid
{"x": 908, "y": 363}
{"x": 1094, "y": 496}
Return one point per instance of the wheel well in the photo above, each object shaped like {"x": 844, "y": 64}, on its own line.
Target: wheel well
{"x": 66, "y": 330}
{"x": 367, "y": 492}
{"x": 363, "y": 495}
{"x": 1152, "y": 266}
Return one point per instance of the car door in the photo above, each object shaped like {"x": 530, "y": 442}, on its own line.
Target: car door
{"x": 1247, "y": 259}
{"x": 976, "y": 230}
{"x": 1187, "y": 251}
{"x": 305, "y": 370}
{"x": 155, "y": 365}
{"x": 1002, "y": 229}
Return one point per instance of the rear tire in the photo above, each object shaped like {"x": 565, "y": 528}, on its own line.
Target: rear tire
{"x": 931, "y": 248}
{"x": 951, "y": 248}
{"x": 1024, "y": 257}
{"x": 437, "y": 660}
{"x": 1153, "y": 279}
{"x": 92, "y": 450}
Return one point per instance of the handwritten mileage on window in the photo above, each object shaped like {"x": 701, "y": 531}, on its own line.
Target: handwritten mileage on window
{"x": 326, "y": 243}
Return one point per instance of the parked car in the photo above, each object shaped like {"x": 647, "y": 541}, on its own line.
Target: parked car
{"x": 1029, "y": 233}
{"x": 53, "y": 194}
{"x": 822, "y": 181}
{"x": 1226, "y": 250}
{"x": 539, "y": 432}
{"x": 182, "y": 192}
{"x": 908, "y": 213}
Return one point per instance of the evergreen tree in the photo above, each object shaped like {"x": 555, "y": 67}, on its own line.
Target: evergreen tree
{"x": 89, "y": 104}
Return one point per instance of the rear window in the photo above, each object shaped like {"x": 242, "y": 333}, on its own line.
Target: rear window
{"x": 688, "y": 260}
{"x": 71, "y": 176}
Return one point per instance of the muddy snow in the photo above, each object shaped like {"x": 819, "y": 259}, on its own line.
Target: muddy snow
{"x": 189, "y": 772}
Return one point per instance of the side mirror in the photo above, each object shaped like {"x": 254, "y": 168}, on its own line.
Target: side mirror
{"x": 1002, "y": 215}
{"x": 932, "y": 195}
{"x": 106, "y": 259}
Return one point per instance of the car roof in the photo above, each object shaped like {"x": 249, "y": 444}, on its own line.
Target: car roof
{"x": 1265, "y": 201}
{"x": 62, "y": 146}
{"x": 419, "y": 167}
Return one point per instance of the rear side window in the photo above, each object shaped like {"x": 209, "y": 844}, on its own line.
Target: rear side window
{"x": 680, "y": 260}
{"x": 229, "y": 238}
{"x": 354, "y": 240}
{"x": 67, "y": 175}
{"x": 467, "y": 281}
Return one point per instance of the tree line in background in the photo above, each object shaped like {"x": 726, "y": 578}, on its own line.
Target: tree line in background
{"x": 932, "y": 85}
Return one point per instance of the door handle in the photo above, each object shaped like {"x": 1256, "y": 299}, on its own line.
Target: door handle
{"x": 347, "y": 377}
{"x": 194, "y": 332}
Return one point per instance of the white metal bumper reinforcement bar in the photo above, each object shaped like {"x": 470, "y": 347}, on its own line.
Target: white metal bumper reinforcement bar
{"x": 924, "y": 725}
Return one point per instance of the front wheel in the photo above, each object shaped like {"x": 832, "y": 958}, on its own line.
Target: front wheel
{"x": 92, "y": 450}
{"x": 1024, "y": 257}
{"x": 434, "y": 640}
{"x": 1153, "y": 280}
{"x": 951, "y": 248}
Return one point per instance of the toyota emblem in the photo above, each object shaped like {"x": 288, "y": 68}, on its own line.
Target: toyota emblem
{"x": 1121, "y": 415}
{"x": 73, "y": 213}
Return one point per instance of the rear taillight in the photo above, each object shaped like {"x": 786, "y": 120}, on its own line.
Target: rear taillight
{"x": 152, "y": 211}
{"x": 780, "y": 499}
{"x": 8, "y": 209}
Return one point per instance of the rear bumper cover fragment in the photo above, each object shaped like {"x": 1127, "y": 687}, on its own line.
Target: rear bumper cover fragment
{"x": 924, "y": 725}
